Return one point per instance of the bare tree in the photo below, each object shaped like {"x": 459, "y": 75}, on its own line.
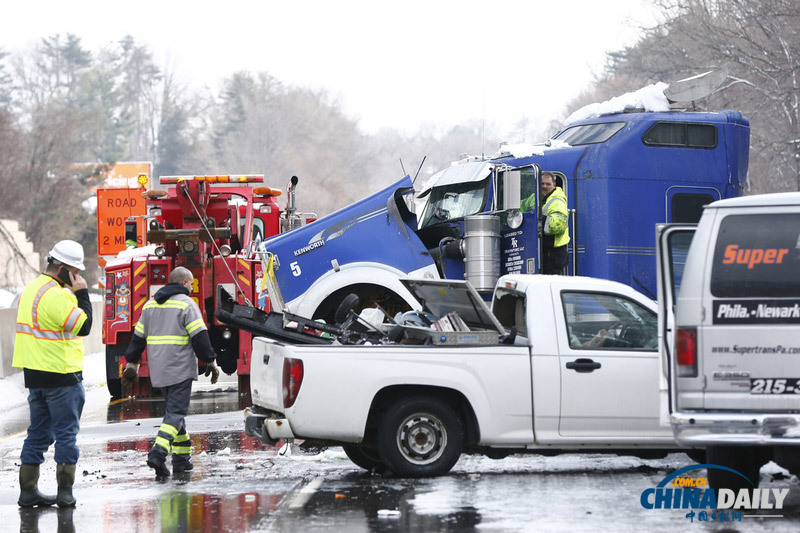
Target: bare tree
{"x": 760, "y": 41}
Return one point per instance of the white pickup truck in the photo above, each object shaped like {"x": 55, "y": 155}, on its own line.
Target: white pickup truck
{"x": 559, "y": 364}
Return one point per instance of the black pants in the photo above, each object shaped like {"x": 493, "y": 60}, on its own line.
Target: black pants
{"x": 555, "y": 260}
{"x": 172, "y": 435}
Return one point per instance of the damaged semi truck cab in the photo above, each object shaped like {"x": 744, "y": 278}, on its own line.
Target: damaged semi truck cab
{"x": 622, "y": 174}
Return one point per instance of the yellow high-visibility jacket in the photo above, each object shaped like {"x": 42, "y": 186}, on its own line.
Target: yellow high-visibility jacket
{"x": 48, "y": 322}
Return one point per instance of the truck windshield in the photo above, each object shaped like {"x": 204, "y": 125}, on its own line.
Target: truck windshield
{"x": 589, "y": 133}
{"x": 455, "y": 201}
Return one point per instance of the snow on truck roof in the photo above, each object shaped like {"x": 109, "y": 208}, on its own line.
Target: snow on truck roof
{"x": 651, "y": 99}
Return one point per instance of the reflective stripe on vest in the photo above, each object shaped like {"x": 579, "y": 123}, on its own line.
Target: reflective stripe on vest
{"x": 561, "y": 239}
{"x": 167, "y": 339}
{"x": 48, "y": 319}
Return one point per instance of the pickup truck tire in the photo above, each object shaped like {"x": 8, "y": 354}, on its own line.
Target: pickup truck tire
{"x": 745, "y": 460}
{"x": 420, "y": 437}
{"x": 366, "y": 458}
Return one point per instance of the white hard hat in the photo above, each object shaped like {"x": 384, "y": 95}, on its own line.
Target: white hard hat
{"x": 68, "y": 252}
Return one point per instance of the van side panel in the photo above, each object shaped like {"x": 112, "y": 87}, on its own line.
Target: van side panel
{"x": 741, "y": 292}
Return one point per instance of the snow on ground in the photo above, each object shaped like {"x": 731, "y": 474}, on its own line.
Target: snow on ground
{"x": 7, "y": 297}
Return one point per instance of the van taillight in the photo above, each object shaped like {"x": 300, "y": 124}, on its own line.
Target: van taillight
{"x": 686, "y": 352}
{"x": 292, "y": 379}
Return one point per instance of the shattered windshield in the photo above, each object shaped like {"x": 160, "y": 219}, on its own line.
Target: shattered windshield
{"x": 454, "y": 201}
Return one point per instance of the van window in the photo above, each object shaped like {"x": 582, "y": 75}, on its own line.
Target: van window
{"x": 681, "y": 134}
{"x": 757, "y": 256}
{"x": 602, "y": 321}
{"x": 678, "y": 244}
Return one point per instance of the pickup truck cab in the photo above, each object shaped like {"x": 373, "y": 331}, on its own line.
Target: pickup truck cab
{"x": 730, "y": 296}
{"x": 559, "y": 364}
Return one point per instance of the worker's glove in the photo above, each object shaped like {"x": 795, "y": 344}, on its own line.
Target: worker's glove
{"x": 541, "y": 225}
{"x": 130, "y": 376}
{"x": 212, "y": 370}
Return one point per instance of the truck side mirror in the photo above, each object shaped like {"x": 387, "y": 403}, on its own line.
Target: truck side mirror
{"x": 511, "y": 189}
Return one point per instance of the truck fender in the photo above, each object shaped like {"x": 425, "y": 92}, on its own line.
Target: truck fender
{"x": 352, "y": 274}
{"x": 455, "y": 398}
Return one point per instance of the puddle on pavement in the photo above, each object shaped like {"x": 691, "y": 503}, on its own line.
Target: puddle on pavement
{"x": 359, "y": 502}
{"x": 203, "y": 402}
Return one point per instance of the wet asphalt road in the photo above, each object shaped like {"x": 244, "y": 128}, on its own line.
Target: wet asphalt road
{"x": 239, "y": 484}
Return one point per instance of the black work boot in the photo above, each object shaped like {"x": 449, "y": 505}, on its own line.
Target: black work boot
{"x": 158, "y": 463}
{"x": 29, "y": 495}
{"x": 65, "y": 475}
{"x": 181, "y": 463}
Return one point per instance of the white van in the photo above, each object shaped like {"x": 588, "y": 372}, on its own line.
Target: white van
{"x": 729, "y": 291}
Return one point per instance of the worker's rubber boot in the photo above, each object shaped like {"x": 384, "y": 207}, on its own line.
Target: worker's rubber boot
{"x": 157, "y": 462}
{"x": 65, "y": 475}
{"x": 181, "y": 463}
{"x": 29, "y": 495}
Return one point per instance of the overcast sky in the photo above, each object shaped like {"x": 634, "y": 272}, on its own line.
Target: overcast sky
{"x": 400, "y": 64}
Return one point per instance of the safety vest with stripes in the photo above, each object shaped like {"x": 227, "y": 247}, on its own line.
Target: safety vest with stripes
{"x": 556, "y": 217}
{"x": 48, "y": 322}
{"x": 168, "y": 327}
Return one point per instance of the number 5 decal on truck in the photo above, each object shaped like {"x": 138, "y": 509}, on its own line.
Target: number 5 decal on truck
{"x": 295, "y": 269}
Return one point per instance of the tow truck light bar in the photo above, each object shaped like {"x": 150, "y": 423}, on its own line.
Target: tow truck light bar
{"x": 267, "y": 191}
{"x": 248, "y": 178}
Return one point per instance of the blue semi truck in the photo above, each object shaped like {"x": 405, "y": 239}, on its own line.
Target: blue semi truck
{"x": 622, "y": 173}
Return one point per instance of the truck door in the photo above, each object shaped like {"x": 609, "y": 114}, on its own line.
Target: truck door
{"x": 518, "y": 189}
{"x": 672, "y": 246}
{"x": 609, "y": 368}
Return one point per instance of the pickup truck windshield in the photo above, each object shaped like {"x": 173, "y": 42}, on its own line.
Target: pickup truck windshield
{"x": 454, "y": 201}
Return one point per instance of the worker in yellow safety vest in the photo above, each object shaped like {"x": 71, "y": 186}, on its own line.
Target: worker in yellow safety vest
{"x": 54, "y": 314}
{"x": 553, "y": 225}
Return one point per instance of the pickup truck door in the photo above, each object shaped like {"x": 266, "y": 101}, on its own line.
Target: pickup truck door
{"x": 673, "y": 242}
{"x": 609, "y": 367}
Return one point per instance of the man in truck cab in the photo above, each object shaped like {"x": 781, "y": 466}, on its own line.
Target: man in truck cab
{"x": 553, "y": 225}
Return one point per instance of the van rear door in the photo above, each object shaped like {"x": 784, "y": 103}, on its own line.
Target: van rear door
{"x": 673, "y": 242}
{"x": 749, "y": 340}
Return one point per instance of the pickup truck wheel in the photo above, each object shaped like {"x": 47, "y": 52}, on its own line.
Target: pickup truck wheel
{"x": 366, "y": 458}
{"x": 420, "y": 437}
{"x": 743, "y": 459}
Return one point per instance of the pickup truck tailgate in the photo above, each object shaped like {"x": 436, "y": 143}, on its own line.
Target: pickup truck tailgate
{"x": 266, "y": 373}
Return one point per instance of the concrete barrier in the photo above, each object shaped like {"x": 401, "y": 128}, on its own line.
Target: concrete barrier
{"x": 8, "y": 319}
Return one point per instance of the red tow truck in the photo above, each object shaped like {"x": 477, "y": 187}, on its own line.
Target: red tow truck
{"x": 212, "y": 226}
